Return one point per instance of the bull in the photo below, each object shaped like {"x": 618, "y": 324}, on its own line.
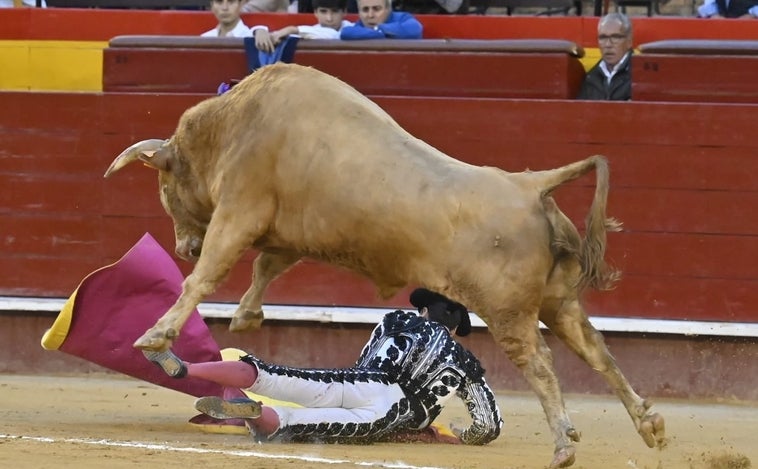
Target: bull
{"x": 254, "y": 169}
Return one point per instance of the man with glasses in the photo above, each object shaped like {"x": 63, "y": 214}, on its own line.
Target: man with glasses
{"x": 611, "y": 77}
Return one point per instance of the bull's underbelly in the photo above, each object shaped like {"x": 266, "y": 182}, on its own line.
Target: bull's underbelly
{"x": 395, "y": 258}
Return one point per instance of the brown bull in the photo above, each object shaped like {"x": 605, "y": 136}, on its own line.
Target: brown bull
{"x": 297, "y": 164}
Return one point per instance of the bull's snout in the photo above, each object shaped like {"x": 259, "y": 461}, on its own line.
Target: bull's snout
{"x": 190, "y": 250}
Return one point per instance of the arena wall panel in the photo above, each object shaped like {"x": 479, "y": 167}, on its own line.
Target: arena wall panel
{"x": 657, "y": 365}
{"x": 684, "y": 192}
{"x": 672, "y": 70}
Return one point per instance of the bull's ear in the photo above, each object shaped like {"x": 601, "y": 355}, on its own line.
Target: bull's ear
{"x": 157, "y": 159}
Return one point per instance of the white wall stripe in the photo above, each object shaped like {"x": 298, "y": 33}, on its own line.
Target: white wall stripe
{"x": 355, "y": 315}
{"x": 238, "y": 453}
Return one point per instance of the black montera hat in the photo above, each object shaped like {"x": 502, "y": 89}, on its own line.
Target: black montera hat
{"x": 421, "y": 297}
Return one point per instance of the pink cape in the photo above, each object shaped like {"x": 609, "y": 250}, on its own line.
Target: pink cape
{"x": 116, "y": 304}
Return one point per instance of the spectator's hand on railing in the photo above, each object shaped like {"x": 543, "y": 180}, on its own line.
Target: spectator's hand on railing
{"x": 280, "y": 34}
{"x": 264, "y": 41}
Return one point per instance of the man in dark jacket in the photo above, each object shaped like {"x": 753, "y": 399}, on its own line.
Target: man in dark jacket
{"x": 611, "y": 77}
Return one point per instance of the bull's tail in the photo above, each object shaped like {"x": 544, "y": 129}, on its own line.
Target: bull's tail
{"x": 596, "y": 272}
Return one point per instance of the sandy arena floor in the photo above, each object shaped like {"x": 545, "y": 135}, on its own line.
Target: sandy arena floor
{"x": 108, "y": 421}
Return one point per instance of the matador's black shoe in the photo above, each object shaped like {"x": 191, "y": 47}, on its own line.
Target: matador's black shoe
{"x": 168, "y": 361}
{"x": 237, "y": 408}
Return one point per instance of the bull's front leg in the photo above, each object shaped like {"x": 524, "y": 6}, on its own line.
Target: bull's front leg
{"x": 217, "y": 257}
{"x": 266, "y": 267}
{"x": 525, "y": 346}
{"x": 166, "y": 329}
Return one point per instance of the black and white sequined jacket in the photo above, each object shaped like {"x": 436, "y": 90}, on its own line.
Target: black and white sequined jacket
{"x": 431, "y": 367}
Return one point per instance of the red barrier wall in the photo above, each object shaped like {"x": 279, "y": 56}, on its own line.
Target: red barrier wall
{"x": 722, "y": 368}
{"x": 696, "y": 76}
{"x": 101, "y": 25}
{"x": 682, "y": 182}
{"x": 453, "y": 68}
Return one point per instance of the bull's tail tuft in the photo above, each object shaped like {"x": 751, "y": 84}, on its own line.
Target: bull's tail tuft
{"x": 596, "y": 272}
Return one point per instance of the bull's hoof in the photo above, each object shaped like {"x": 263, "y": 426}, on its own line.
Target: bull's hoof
{"x": 246, "y": 320}
{"x": 653, "y": 431}
{"x": 563, "y": 457}
{"x": 156, "y": 340}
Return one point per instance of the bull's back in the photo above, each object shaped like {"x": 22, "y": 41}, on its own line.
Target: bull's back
{"x": 346, "y": 178}
{"x": 308, "y": 133}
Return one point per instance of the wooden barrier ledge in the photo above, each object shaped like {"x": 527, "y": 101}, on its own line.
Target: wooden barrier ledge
{"x": 692, "y": 70}
{"x": 512, "y": 68}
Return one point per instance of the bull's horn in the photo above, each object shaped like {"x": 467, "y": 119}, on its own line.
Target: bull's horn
{"x": 133, "y": 153}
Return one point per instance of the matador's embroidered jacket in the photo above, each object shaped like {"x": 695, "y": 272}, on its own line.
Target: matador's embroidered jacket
{"x": 431, "y": 368}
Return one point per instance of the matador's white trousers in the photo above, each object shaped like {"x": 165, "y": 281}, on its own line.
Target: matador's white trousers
{"x": 338, "y": 404}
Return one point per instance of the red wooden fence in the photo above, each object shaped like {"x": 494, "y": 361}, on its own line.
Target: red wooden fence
{"x": 682, "y": 181}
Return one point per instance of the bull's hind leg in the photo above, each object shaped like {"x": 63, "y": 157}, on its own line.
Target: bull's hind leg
{"x": 266, "y": 268}
{"x": 519, "y": 335}
{"x": 568, "y": 321}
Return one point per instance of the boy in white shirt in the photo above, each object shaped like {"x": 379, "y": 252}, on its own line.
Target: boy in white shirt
{"x": 331, "y": 19}
{"x": 227, "y": 12}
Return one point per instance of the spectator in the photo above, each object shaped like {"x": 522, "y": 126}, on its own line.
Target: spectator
{"x": 265, "y": 6}
{"x": 227, "y": 12}
{"x": 611, "y": 77}
{"x": 330, "y": 15}
{"x": 728, "y": 9}
{"x": 377, "y": 20}
{"x": 407, "y": 372}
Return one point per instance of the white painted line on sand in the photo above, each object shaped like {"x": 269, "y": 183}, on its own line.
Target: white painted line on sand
{"x": 239, "y": 453}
